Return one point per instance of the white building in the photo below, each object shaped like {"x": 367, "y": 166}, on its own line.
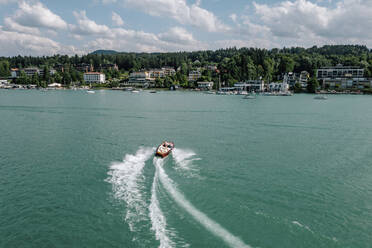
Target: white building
{"x": 205, "y": 85}
{"x": 194, "y": 75}
{"x": 282, "y": 87}
{"x": 169, "y": 71}
{"x": 250, "y": 85}
{"x": 94, "y": 77}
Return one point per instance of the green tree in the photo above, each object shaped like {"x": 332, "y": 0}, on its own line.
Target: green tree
{"x": 4, "y": 68}
{"x": 297, "y": 88}
{"x": 312, "y": 85}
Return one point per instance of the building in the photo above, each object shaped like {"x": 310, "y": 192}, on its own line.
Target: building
{"x": 157, "y": 73}
{"x": 250, "y": 85}
{"x": 211, "y": 67}
{"x": 31, "y": 71}
{"x": 340, "y": 71}
{"x": 141, "y": 79}
{"x": 205, "y": 85}
{"x": 109, "y": 66}
{"x": 304, "y": 77}
{"x": 194, "y": 75}
{"x": 169, "y": 71}
{"x": 59, "y": 67}
{"x": 83, "y": 67}
{"x": 290, "y": 78}
{"x": 278, "y": 87}
{"x": 340, "y": 76}
{"x": 94, "y": 77}
{"x": 15, "y": 72}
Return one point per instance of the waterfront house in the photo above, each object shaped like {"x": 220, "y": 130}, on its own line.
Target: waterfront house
{"x": 343, "y": 77}
{"x": 205, "y": 85}
{"x": 304, "y": 77}
{"x": 250, "y": 85}
{"x": 278, "y": 87}
{"x": 94, "y": 77}
{"x": 141, "y": 79}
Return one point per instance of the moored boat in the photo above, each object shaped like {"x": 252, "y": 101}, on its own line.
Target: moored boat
{"x": 164, "y": 149}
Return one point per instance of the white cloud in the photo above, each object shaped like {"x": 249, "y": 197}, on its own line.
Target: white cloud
{"x": 181, "y": 12}
{"x": 36, "y": 15}
{"x": 117, "y": 20}
{"x": 304, "y": 23}
{"x": 178, "y": 35}
{"x": 233, "y": 17}
{"x": 86, "y": 26}
{"x": 300, "y": 19}
{"x": 27, "y": 44}
{"x": 10, "y": 25}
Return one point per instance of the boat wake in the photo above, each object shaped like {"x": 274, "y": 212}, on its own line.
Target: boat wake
{"x": 199, "y": 216}
{"x": 128, "y": 184}
{"x": 184, "y": 162}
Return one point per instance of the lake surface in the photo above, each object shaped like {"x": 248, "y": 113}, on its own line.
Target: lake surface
{"x": 77, "y": 170}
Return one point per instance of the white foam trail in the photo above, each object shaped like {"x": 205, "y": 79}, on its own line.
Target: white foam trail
{"x": 126, "y": 179}
{"x": 184, "y": 159}
{"x": 199, "y": 216}
{"x": 157, "y": 217}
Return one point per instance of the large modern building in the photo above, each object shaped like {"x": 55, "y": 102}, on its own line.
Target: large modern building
{"x": 141, "y": 79}
{"x": 94, "y": 77}
{"x": 15, "y": 72}
{"x": 340, "y": 71}
{"x": 340, "y": 76}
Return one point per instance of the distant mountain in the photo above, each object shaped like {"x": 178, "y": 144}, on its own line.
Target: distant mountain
{"x": 105, "y": 52}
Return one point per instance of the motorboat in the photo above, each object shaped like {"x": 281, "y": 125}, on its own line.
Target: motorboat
{"x": 135, "y": 91}
{"x": 91, "y": 91}
{"x": 164, "y": 149}
{"x": 320, "y": 97}
{"x": 153, "y": 91}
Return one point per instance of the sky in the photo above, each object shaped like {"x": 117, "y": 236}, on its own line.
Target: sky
{"x": 47, "y": 27}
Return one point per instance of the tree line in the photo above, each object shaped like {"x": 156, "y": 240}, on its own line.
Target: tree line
{"x": 233, "y": 64}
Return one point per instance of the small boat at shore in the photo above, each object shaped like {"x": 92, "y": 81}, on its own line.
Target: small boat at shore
{"x": 164, "y": 149}
{"x": 153, "y": 91}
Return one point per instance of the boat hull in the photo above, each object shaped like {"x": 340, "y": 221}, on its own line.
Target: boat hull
{"x": 164, "y": 149}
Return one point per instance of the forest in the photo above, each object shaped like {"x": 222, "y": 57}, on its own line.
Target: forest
{"x": 234, "y": 64}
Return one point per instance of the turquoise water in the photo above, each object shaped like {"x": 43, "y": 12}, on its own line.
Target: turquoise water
{"x": 77, "y": 170}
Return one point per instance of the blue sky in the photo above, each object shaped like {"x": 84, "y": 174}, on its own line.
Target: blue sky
{"x": 41, "y": 27}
